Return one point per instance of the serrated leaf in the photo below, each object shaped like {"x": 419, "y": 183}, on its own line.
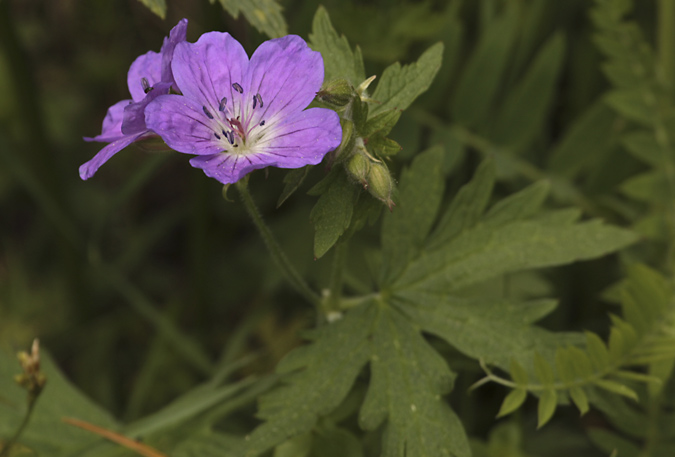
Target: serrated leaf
{"x": 383, "y": 147}
{"x": 589, "y": 138}
{"x": 547, "y": 406}
{"x": 512, "y": 401}
{"x": 381, "y": 123}
{"x": 264, "y": 15}
{"x": 616, "y": 387}
{"x": 518, "y": 206}
{"x": 328, "y": 367}
{"x": 400, "y": 86}
{"x": 467, "y": 206}
{"x": 405, "y": 229}
{"x": 579, "y": 398}
{"x": 407, "y": 380}
{"x": 483, "y": 73}
{"x": 292, "y": 181}
{"x": 524, "y": 110}
{"x": 339, "y": 59}
{"x": 332, "y": 214}
{"x": 496, "y": 331}
{"x": 156, "y": 6}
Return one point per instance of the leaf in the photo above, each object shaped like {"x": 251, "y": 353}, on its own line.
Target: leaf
{"x": 547, "y": 405}
{"x": 653, "y": 186}
{"x": 589, "y": 138}
{"x": 512, "y": 401}
{"x": 381, "y": 123}
{"x": 405, "y": 229}
{"x": 616, "y": 388}
{"x": 524, "y": 111}
{"x": 643, "y": 146}
{"x": 332, "y": 214}
{"x": 339, "y": 60}
{"x": 543, "y": 370}
{"x": 636, "y": 105}
{"x": 407, "y": 380}
{"x": 46, "y": 434}
{"x": 335, "y": 442}
{"x": 156, "y": 6}
{"x": 318, "y": 378}
{"x": 400, "y": 86}
{"x": 518, "y": 373}
{"x": 264, "y": 15}
{"x": 480, "y": 80}
{"x": 579, "y": 398}
{"x": 292, "y": 181}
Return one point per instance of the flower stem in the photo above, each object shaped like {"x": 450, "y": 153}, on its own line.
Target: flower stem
{"x": 273, "y": 247}
{"x": 8, "y": 446}
{"x": 332, "y": 302}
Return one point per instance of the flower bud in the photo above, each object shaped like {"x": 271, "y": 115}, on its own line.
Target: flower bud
{"x": 380, "y": 183}
{"x": 358, "y": 167}
{"x": 337, "y": 93}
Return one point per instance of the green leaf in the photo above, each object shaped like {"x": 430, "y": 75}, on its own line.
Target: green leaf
{"x": 643, "y": 146}
{"x": 381, "y": 123}
{"x": 524, "y": 110}
{"x": 407, "y": 380}
{"x": 579, "y": 398}
{"x": 335, "y": 442}
{"x": 318, "y": 377}
{"x": 405, "y": 229}
{"x": 480, "y": 80}
{"x": 543, "y": 370}
{"x": 298, "y": 446}
{"x": 653, "y": 186}
{"x": 46, "y": 433}
{"x": 616, "y": 387}
{"x": 292, "y": 181}
{"x": 512, "y": 401}
{"x": 547, "y": 405}
{"x": 332, "y": 214}
{"x": 589, "y": 138}
{"x": 518, "y": 206}
{"x": 467, "y": 206}
{"x": 597, "y": 351}
{"x": 339, "y": 60}
{"x": 636, "y": 105}
{"x": 518, "y": 373}
{"x": 400, "y": 86}
{"x": 156, "y": 6}
{"x": 264, "y": 15}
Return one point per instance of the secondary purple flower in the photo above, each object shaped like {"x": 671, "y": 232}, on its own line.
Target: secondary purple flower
{"x": 149, "y": 77}
{"x": 238, "y": 115}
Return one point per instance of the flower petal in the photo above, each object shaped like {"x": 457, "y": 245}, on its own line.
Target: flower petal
{"x": 88, "y": 169}
{"x": 182, "y": 125}
{"x": 205, "y": 70}
{"x": 287, "y": 74}
{"x": 176, "y": 35}
{"x": 134, "y": 113}
{"x": 148, "y": 66}
{"x": 302, "y": 139}
{"x": 112, "y": 123}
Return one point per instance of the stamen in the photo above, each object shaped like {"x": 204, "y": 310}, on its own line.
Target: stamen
{"x": 145, "y": 85}
{"x": 254, "y": 100}
{"x": 217, "y": 136}
{"x": 262, "y": 123}
{"x": 230, "y": 137}
{"x": 223, "y": 104}
{"x": 224, "y": 132}
{"x": 259, "y": 97}
{"x": 208, "y": 114}
{"x": 236, "y": 145}
{"x": 238, "y": 88}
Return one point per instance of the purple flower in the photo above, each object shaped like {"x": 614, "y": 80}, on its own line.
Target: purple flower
{"x": 149, "y": 77}
{"x": 238, "y": 115}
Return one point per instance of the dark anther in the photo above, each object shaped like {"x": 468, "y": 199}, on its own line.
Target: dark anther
{"x": 238, "y": 88}
{"x": 223, "y": 104}
{"x": 254, "y": 100}
{"x": 259, "y": 97}
{"x": 217, "y": 136}
{"x": 145, "y": 85}
{"x": 262, "y": 123}
{"x": 208, "y": 114}
{"x": 236, "y": 145}
{"x": 230, "y": 137}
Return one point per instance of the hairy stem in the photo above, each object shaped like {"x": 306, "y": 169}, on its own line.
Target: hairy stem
{"x": 278, "y": 256}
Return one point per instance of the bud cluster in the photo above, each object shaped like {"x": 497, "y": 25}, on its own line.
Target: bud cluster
{"x": 371, "y": 173}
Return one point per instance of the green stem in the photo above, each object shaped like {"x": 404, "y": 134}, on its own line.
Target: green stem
{"x": 8, "y": 446}
{"x": 273, "y": 247}
{"x": 335, "y": 286}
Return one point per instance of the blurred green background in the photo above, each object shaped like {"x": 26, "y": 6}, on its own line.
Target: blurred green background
{"x": 143, "y": 279}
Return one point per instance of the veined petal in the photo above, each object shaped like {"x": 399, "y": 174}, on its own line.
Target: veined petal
{"x": 182, "y": 124}
{"x": 112, "y": 123}
{"x": 148, "y": 66}
{"x": 134, "y": 113}
{"x": 88, "y": 169}
{"x": 287, "y": 74}
{"x": 205, "y": 70}
{"x": 176, "y": 35}
{"x": 302, "y": 139}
